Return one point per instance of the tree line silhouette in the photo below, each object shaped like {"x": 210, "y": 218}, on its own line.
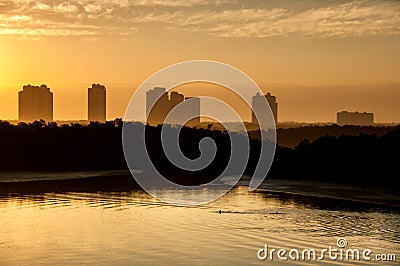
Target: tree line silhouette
{"x": 358, "y": 158}
{"x": 291, "y": 137}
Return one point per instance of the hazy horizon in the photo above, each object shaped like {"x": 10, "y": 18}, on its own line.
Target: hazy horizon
{"x": 307, "y": 100}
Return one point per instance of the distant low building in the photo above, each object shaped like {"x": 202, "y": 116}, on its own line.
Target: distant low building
{"x": 355, "y": 118}
{"x": 35, "y": 103}
{"x": 97, "y": 103}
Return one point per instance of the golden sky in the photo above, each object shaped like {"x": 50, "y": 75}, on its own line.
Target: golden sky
{"x": 318, "y": 57}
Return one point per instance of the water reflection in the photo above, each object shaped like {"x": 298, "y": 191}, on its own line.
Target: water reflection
{"x": 132, "y": 227}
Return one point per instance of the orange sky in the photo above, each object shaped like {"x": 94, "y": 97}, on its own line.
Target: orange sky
{"x": 317, "y": 57}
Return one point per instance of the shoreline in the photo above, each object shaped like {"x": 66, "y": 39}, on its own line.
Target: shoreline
{"x": 122, "y": 181}
{"x": 91, "y": 182}
{"x": 329, "y": 190}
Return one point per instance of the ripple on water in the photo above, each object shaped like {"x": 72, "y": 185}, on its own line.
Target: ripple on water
{"x": 126, "y": 227}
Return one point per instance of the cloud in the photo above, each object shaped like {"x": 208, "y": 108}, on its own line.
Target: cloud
{"x": 18, "y": 18}
{"x": 179, "y": 3}
{"x": 27, "y": 27}
{"x": 221, "y": 18}
{"x": 92, "y": 8}
{"x": 65, "y": 8}
{"x": 48, "y": 32}
{"x": 163, "y": 3}
{"x": 61, "y": 8}
{"x": 345, "y": 20}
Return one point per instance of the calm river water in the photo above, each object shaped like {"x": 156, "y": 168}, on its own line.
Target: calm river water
{"x": 132, "y": 228}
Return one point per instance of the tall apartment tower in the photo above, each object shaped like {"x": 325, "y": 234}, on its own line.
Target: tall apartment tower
{"x": 257, "y": 104}
{"x": 35, "y": 103}
{"x": 157, "y": 110}
{"x": 193, "y": 108}
{"x": 97, "y": 103}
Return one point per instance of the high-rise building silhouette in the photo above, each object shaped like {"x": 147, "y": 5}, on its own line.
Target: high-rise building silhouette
{"x": 35, "y": 103}
{"x": 192, "y": 108}
{"x": 97, "y": 103}
{"x": 175, "y": 98}
{"x": 355, "y": 118}
{"x": 257, "y": 106}
{"x": 157, "y": 110}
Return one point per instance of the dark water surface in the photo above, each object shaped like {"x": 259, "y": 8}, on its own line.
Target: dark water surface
{"x": 132, "y": 228}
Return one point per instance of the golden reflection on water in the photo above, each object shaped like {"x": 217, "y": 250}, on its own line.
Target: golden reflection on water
{"x": 134, "y": 228}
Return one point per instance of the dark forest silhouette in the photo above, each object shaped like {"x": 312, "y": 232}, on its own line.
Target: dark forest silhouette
{"x": 364, "y": 159}
{"x": 291, "y": 137}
